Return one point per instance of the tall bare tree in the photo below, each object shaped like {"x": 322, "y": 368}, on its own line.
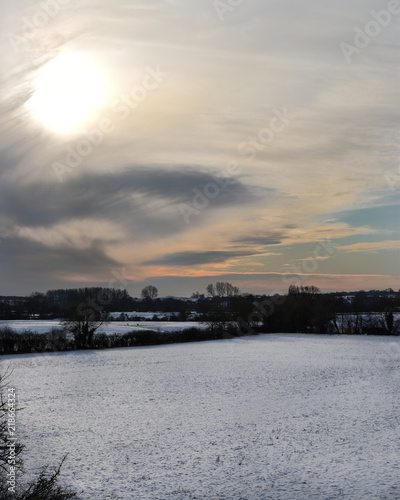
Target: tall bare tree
{"x": 83, "y": 319}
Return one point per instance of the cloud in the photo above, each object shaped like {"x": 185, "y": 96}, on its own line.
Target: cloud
{"x": 371, "y": 246}
{"x": 197, "y": 258}
{"x": 268, "y": 239}
{"x": 41, "y": 267}
{"x": 139, "y": 198}
{"x": 79, "y": 234}
{"x": 224, "y": 81}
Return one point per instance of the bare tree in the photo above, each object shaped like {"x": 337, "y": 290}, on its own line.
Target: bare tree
{"x": 150, "y": 292}
{"x": 83, "y": 319}
{"x": 229, "y": 289}
{"x": 210, "y": 290}
{"x": 388, "y": 323}
{"x": 220, "y": 287}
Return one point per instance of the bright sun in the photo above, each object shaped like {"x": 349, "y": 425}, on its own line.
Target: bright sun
{"x": 68, "y": 91}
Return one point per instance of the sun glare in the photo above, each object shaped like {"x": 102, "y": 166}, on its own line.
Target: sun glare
{"x": 68, "y": 91}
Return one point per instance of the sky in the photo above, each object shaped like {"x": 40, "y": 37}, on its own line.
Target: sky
{"x": 178, "y": 143}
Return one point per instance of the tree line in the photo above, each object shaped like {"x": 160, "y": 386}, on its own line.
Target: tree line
{"x": 56, "y": 304}
{"x": 303, "y": 309}
{"x": 222, "y": 289}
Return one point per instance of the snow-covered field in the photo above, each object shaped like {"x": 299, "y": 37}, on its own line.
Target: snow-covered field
{"x": 267, "y": 417}
{"x": 43, "y": 326}
{"x": 149, "y": 315}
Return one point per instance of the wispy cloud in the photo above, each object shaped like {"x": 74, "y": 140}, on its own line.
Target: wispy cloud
{"x": 197, "y": 258}
{"x": 136, "y": 198}
{"x": 371, "y": 246}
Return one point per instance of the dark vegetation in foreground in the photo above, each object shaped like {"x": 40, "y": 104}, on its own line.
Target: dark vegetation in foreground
{"x": 13, "y": 342}
{"x": 302, "y": 310}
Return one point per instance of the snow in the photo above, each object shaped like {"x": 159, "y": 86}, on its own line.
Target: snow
{"x": 43, "y": 326}
{"x": 144, "y": 315}
{"x": 38, "y": 326}
{"x": 279, "y": 416}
